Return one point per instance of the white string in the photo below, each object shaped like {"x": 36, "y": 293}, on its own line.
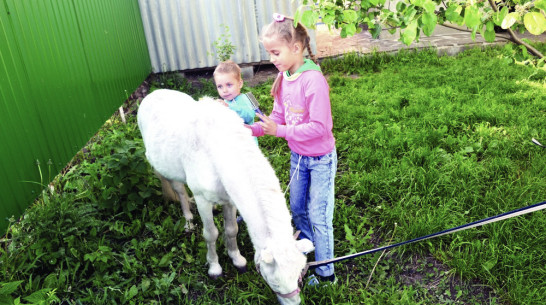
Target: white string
{"x": 297, "y": 170}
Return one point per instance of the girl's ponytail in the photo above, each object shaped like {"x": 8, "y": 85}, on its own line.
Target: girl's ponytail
{"x": 276, "y": 88}
{"x": 313, "y": 57}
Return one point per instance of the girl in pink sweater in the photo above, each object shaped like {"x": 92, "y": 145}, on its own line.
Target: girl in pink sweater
{"x": 302, "y": 115}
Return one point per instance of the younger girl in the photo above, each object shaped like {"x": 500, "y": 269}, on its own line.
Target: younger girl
{"x": 228, "y": 80}
{"x": 302, "y": 115}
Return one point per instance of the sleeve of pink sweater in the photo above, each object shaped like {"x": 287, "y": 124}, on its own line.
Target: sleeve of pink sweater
{"x": 277, "y": 115}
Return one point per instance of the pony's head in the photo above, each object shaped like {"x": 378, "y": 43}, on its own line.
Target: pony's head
{"x": 281, "y": 266}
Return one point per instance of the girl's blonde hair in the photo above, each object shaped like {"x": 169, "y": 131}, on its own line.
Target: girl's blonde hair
{"x": 228, "y": 66}
{"x": 285, "y": 30}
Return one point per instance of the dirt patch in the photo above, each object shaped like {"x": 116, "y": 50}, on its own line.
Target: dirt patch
{"x": 430, "y": 274}
{"x": 262, "y": 73}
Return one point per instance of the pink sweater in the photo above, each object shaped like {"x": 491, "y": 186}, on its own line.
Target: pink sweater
{"x": 303, "y": 114}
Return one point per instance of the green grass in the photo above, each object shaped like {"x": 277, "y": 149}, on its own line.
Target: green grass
{"x": 425, "y": 143}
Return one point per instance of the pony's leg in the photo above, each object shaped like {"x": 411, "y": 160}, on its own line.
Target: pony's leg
{"x": 210, "y": 233}
{"x": 180, "y": 190}
{"x": 231, "y": 229}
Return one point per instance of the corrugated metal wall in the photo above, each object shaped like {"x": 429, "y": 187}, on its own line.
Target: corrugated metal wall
{"x": 180, "y": 33}
{"x": 65, "y": 67}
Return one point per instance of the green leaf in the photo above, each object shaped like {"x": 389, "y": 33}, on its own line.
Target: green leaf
{"x": 509, "y": 20}
{"x": 429, "y": 6}
{"x": 184, "y": 289}
{"x": 409, "y": 15}
{"x": 409, "y": 34}
{"x": 489, "y": 36}
{"x": 329, "y": 19}
{"x": 38, "y": 296}
{"x": 165, "y": 260}
{"x": 6, "y": 299}
{"x": 376, "y": 31}
{"x": 489, "y": 33}
{"x": 535, "y": 23}
{"x": 8, "y": 288}
{"x": 489, "y": 26}
{"x": 145, "y": 284}
{"x": 309, "y": 19}
{"x": 133, "y": 291}
{"x": 490, "y": 264}
{"x": 350, "y": 16}
{"x": 417, "y": 2}
{"x": 541, "y": 4}
{"x": 349, "y": 29}
{"x": 429, "y": 23}
{"x": 400, "y": 6}
{"x": 453, "y": 14}
{"x": 498, "y": 17}
{"x": 472, "y": 17}
{"x": 89, "y": 257}
{"x": 348, "y": 233}
{"x": 297, "y": 14}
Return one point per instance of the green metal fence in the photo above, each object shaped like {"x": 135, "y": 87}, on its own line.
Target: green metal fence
{"x": 65, "y": 67}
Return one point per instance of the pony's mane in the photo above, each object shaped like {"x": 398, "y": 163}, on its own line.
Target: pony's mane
{"x": 246, "y": 159}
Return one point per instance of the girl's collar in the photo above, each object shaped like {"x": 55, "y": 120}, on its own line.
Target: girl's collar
{"x": 307, "y": 65}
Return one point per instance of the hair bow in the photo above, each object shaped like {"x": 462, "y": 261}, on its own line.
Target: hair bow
{"x": 278, "y": 17}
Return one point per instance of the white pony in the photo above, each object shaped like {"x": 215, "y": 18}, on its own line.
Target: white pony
{"x": 206, "y": 146}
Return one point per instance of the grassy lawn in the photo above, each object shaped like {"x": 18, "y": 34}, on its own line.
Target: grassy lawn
{"x": 425, "y": 143}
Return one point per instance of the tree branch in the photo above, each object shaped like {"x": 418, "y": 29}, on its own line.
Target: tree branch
{"x": 515, "y": 38}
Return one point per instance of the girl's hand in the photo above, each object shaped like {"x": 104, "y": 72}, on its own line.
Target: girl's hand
{"x": 268, "y": 125}
{"x": 222, "y": 102}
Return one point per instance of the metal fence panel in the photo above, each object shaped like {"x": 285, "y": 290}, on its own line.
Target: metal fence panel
{"x": 180, "y": 33}
{"x": 65, "y": 67}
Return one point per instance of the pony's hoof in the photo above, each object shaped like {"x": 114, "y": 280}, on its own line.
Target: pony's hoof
{"x": 241, "y": 269}
{"x": 215, "y": 271}
{"x": 215, "y": 276}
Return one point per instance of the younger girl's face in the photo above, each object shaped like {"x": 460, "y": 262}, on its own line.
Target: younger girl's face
{"x": 285, "y": 56}
{"x": 228, "y": 85}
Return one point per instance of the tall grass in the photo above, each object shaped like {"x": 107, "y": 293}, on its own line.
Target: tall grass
{"x": 425, "y": 143}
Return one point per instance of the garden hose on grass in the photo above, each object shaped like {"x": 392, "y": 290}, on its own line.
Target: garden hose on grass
{"x": 503, "y": 216}
{"x": 537, "y": 143}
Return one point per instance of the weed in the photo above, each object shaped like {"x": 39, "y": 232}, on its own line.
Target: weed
{"x": 224, "y": 47}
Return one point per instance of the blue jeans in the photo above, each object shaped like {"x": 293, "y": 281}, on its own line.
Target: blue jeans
{"x": 312, "y": 203}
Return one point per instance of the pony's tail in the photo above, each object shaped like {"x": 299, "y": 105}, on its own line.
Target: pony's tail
{"x": 166, "y": 188}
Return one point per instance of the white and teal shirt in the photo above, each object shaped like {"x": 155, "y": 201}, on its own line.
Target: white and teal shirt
{"x": 243, "y": 107}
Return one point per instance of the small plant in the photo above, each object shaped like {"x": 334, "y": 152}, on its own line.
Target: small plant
{"x": 224, "y": 47}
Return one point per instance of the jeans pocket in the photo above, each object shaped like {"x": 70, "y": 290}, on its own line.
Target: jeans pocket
{"x": 321, "y": 160}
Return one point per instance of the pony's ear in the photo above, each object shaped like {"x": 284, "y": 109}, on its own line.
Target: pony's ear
{"x": 305, "y": 245}
{"x": 267, "y": 256}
